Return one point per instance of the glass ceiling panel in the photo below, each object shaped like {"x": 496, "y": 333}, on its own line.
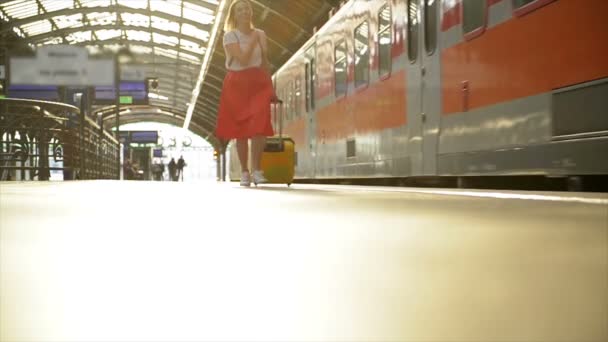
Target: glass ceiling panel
{"x": 138, "y": 35}
{"x": 96, "y": 3}
{"x": 20, "y": 9}
{"x": 103, "y": 18}
{"x": 68, "y": 21}
{"x": 197, "y": 13}
{"x": 172, "y": 7}
{"x": 192, "y": 46}
{"x": 56, "y": 40}
{"x": 192, "y": 31}
{"x": 189, "y": 58}
{"x": 165, "y": 52}
{"x": 78, "y": 37}
{"x": 134, "y": 3}
{"x": 161, "y": 38}
{"x": 56, "y": 5}
{"x": 132, "y": 19}
{"x": 37, "y": 27}
{"x": 19, "y": 32}
{"x": 107, "y": 34}
{"x": 190, "y": 5}
{"x": 164, "y": 24}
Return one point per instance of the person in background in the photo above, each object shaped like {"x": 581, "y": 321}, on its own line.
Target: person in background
{"x": 128, "y": 170}
{"x": 172, "y": 170}
{"x": 180, "y": 168}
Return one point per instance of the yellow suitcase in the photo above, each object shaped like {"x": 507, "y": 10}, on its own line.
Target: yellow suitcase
{"x": 278, "y": 159}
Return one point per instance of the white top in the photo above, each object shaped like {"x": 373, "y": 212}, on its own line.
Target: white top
{"x": 236, "y": 36}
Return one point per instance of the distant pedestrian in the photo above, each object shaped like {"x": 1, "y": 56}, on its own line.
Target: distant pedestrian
{"x": 172, "y": 170}
{"x": 180, "y": 168}
{"x": 128, "y": 170}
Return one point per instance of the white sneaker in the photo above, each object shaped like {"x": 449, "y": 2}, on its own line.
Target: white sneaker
{"x": 245, "y": 179}
{"x": 258, "y": 177}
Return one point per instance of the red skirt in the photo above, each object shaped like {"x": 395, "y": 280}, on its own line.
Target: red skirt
{"x": 244, "y": 110}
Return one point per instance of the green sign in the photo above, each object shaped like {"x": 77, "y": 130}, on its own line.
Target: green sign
{"x": 2, "y": 96}
{"x": 126, "y": 100}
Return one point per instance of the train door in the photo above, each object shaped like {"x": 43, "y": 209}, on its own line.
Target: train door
{"x": 311, "y": 125}
{"x": 423, "y": 85}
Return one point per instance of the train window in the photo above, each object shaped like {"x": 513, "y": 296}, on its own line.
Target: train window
{"x": 290, "y": 99}
{"x": 313, "y": 82}
{"x": 430, "y": 26}
{"x": 298, "y": 98}
{"x": 310, "y": 80}
{"x": 473, "y": 12}
{"x": 522, "y": 7}
{"x": 340, "y": 68}
{"x": 362, "y": 54}
{"x": 520, "y": 3}
{"x": 307, "y": 86}
{"x": 412, "y": 30}
{"x": 384, "y": 40}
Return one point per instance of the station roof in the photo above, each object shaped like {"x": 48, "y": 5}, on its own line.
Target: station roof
{"x": 176, "y": 41}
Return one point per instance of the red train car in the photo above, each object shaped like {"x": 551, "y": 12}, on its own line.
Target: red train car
{"x": 453, "y": 88}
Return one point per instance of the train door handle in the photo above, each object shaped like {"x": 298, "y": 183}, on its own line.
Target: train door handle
{"x": 423, "y": 71}
{"x": 465, "y": 95}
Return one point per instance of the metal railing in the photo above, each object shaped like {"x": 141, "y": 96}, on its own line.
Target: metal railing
{"x": 37, "y": 137}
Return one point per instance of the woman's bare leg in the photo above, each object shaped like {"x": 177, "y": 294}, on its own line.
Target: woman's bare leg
{"x": 257, "y": 147}
{"x": 242, "y": 147}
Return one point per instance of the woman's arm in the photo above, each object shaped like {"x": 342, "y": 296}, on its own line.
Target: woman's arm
{"x": 266, "y": 63}
{"x": 243, "y": 57}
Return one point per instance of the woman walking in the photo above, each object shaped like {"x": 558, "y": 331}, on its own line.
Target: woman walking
{"x": 244, "y": 110}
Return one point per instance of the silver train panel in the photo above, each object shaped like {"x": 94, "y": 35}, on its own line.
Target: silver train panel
{"x": 451, "y": 37}
{"x": 499, "y": 13}
{"x": 379, "y": 154}
{"x": 556, "y": 158}
{"x": 515, "y": 123}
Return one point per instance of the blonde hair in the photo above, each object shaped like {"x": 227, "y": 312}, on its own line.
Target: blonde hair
{"x": 230, "y": 23}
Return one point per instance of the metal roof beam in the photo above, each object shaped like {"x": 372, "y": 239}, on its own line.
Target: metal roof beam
{"x": 85, "y": 19}
{"x": 179, "y": 42}
{"x": 53, "y": 23}
{"x": 120, "y": 41}
{"x": 112, "y": 8}
{"x": 285, "y": 18}
{"x": 93, "y": 28}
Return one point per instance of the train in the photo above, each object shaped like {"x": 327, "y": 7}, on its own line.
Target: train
{"x": 450, "y": 89}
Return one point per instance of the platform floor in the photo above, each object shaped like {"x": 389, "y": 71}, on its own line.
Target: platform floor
{"x": 142, "y": 261}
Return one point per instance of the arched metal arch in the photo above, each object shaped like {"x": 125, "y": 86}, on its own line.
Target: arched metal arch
{"x": 133, "y": 114}
{"x": 121, "y": 41}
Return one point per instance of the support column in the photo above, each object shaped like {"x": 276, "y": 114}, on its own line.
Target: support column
{"x": 223, "y": 157}
{"x": 218, "y": 173}
{"x": 117, "y": 104}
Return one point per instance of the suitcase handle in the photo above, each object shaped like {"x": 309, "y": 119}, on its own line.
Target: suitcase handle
{"x": 279, "y": 103}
